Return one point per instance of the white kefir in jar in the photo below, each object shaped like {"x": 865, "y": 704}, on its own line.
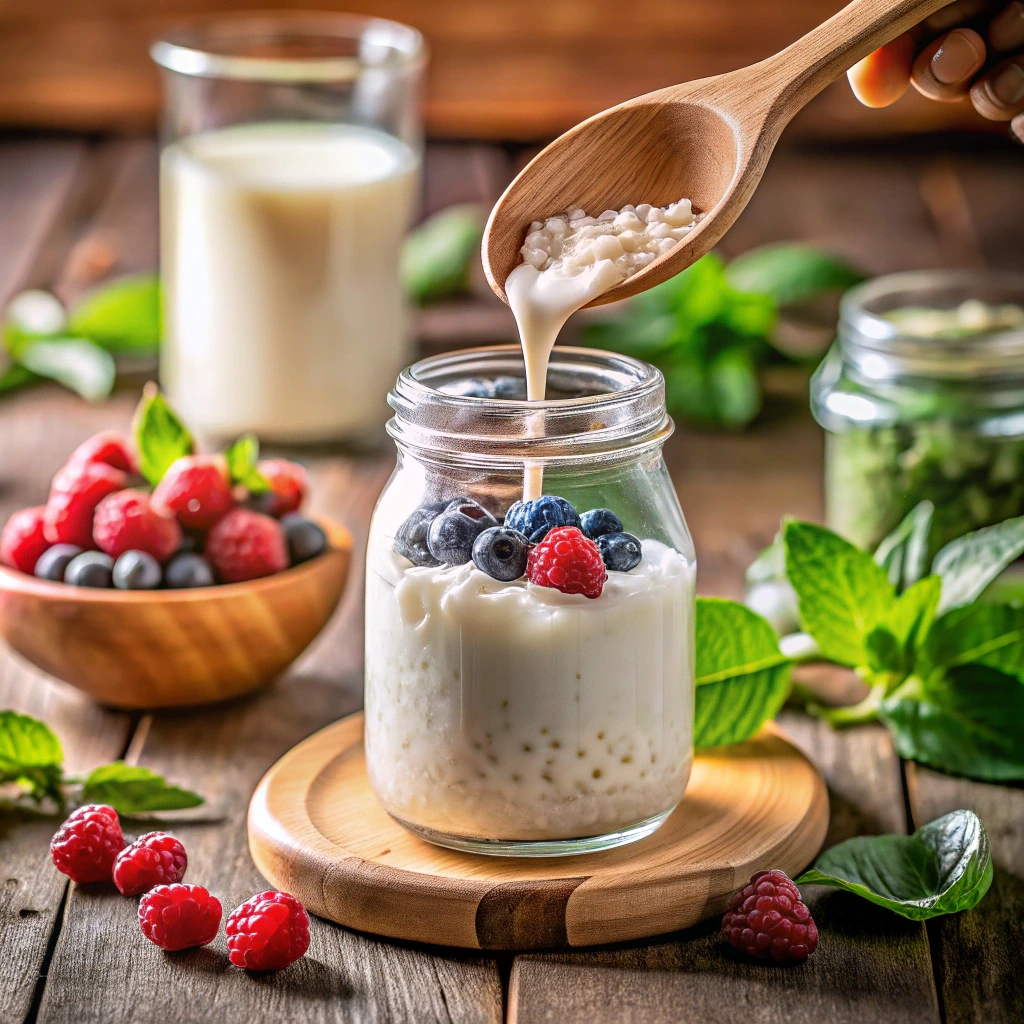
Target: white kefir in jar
{"x": 279, "y": 252}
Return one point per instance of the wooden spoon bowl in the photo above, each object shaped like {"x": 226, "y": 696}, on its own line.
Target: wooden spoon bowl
{"x": 174, "y": 648}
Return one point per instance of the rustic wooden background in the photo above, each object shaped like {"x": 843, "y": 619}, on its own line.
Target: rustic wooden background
{"x": 501, "y": 69}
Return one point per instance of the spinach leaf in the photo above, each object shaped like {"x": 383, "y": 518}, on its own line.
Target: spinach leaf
{"x": 970, "y": 563}
{"x": 789, "y": 272}
{"x": 944, "y": 867}
{"x": 742, "y": 678}
{"x": 130, "y": 789}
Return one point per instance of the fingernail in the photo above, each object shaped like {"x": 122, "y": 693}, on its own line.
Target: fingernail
{"x": 1008, "y": 85}
{"x": 955, "y": 59}
{"x": 1006, "y": 29}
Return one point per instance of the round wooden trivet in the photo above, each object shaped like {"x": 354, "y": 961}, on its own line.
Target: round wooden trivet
{"x": 317, "y": 831}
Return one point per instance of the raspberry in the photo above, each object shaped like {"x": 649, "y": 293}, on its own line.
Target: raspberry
{"x": 86, "y": 844}
{"x": 179, "y": 916}
{"x": 153, "y": 859}
{"x": 109, "y": 447}
{"x": 767, "y": 918}
{"x": 246, "y": 545}
{"x": 289, "y": 485}
{"x": 127, "y": 521}
{"x": 77, "y": 489}
{"x": 569, "y": 562}
{"x": 267, "y": 932}
{"x": 196, "y": 489}
{"x": 23, "y": 540}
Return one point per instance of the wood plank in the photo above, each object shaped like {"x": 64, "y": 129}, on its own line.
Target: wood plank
{"x": 870, "y": 965}
{"x": 977, "y": 953}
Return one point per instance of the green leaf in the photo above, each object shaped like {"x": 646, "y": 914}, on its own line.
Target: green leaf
{"x": 843, "y": 593}
{"x": 242, "y": 457}
{"x": 742, "y": 677}
{"x": 437, "y": 256}
{"x": 14, "y": 377}
{"x": 978, "y": 634}
{"x": 915, "y": 611}
{"x": 121, "y": 316}
{"x": 74, "y": 362}
{"x": 734, "y": 387}
{"x": 160, "y": 437}
{"x": 789, "y": 272}
{"x": 904, "y": 553}
{"x": 944, "y": 867}
{"x": 970, "y": 563}
{"x": 31, "y": 315}
{"x": 130, "y": 789}
{"x": 970, "y": 722}
{"x": 30, "y": 754}
{"x": 885, "y": 652}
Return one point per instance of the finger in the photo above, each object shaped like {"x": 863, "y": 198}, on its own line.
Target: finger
{"x": 955, "y": 14}
{"x": 1017, "y": 126}
{"x": 1006, "y": 30}
{"x": 943, "y": 70}
{"x": 882, "y": 77}
{"x": 999, "y": 96}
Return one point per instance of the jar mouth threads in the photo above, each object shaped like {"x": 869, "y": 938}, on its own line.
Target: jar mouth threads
{"x": 610, "y": 406}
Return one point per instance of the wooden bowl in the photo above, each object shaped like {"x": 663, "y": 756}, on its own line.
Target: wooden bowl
{"x": 173, "y": 648}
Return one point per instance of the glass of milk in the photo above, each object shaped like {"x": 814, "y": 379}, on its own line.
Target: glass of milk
{"x": 289, "y": 176}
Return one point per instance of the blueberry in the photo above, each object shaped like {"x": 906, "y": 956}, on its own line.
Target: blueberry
{"x": 89, "y": 569}
{"x": 620, "y": 551}
{"x": 501, "y": 553}
{"x": 599, "y": 521}
{"x": 451, "y": 535}
{"x": 188, "y": 570}
{"x": 54, "y": 561}
{"x": 305, "y": 538}
{"x": 535, "y": 518}
{"x": 411, "y": 539}
{"x": 510, "y": 389}
{"x": 137, "y": 570}
{"x": 189, "y": 543}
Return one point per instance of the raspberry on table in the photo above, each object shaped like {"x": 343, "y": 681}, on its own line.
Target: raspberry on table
{"x": 85, "y": 846}
{"x": 153, "y": 859}
{"x": 127, "y": 521}
{"x": 569, "y": 562}
{"x": 23, "y": 540}
{"x": 76, "y": 492}
{"x": 267, "y": 932}
{"x": 179, "y": 916}
{"x": 289, "y": 485}
{"x": 246, "y": 545}
{"x": 110, "y": 447}
{"x": 768, "y": 919}
{"x": 196, "y": 490}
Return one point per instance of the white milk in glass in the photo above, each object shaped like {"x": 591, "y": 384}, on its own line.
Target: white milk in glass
{"x": 280, "y": 245}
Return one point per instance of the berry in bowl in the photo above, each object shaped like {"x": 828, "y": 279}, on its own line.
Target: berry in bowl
{"x": 155, "y": 576}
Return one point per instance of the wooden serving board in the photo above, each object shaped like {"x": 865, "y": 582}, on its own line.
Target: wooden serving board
{"x": 317, "y": 831}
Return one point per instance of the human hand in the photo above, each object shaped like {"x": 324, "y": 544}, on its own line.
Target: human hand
{"x": 970, "y": 48}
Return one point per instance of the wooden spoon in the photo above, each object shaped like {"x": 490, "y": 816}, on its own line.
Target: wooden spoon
{"x": 708, "y": 141}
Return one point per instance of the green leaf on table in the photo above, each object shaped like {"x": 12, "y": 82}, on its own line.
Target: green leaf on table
{"x": 14, "y": 377}
{"x": 130, "y": 789}
{"x": 970, "y": 563}
{"x": 969, "y": 722}
{"x": 30, "y": 753}
{"x": 242, "y": 457}
{"x": 437, "y": 256}
{"x": 160, "y": 436}
{"x": 121, "y": 316}
{"x": 843, "y": 593}
{"x": 76, "y": 363}
{"x": 904, "y": 553}
{"x": 977, "y": 634}
{"x": 944, "y": 867}
{"x": 742, "y": 677}
{"x": 789, "y": 272}
{"x": 30, "y": 315}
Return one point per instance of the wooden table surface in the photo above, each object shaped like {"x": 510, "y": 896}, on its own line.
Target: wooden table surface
{"x": 73, "y": 209}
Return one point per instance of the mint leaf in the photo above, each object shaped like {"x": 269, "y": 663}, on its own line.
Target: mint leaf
{"x": 742, "y": 678}
{"x": 843, "y": 593}
{"x": 979, "y": 634}
{"x": 970, "y": 722}
{"x": 944, "y": 867}
{"x": 915, "y": 611}
{"x": 904, "y": 553}
{"x": 970, "y": 563}
{"x": 31, "y": 754}
{"x": 130, "y": 789}
{"x": 76, "y": 363}
{"x": 242, "y": 457}
{"x": 121, "y": 316}
{"x": 789, "y": 272}
{"x": 160, "y": 437}
{"x": 437, "y": 256}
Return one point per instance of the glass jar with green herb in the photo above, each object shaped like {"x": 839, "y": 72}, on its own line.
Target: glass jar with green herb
{"x": 922, "y": 397}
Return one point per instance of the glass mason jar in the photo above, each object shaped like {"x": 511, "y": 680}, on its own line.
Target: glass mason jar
{"x": 923, "y": 398}
{"x": 289, "y": 177}
{"x": 508, "y": 717}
